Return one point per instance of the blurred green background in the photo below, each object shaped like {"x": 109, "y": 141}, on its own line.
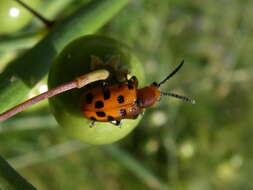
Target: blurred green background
{"x": 177, "y": 145}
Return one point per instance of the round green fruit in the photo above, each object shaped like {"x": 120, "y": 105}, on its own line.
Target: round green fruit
{"x": 13, "y": 16}
{"x": 76, "y": 60}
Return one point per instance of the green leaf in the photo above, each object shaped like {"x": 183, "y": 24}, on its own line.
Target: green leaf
{"x": 10, "y": 179}
{"x": 23, "y": 73}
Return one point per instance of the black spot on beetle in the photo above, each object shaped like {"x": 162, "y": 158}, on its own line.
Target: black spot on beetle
{"x": 120, "y": 99}
{"x": 110, "y": 118}
{"x": 100, "y": 114}
{"x": 106, "y": 93}
{"x": 89, "y": 98}
{"x": 99, "y": 104}
{"x": 122, "y": 112}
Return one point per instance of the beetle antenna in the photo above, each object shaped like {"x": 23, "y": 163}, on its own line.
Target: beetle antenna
{"x": 171, "y": 74}
{"x": 184, "y": 98}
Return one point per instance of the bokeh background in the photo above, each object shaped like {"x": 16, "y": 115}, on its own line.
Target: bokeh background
{"x": 177, "y": 145}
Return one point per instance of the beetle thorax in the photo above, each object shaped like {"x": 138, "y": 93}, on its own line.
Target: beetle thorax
{"x": 148, "y": 96}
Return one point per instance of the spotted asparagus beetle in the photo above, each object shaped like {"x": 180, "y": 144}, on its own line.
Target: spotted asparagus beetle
{"x": 122, "y": 100}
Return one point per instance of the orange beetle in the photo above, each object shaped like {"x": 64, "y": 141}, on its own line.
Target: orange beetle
{"x": 123, "y": 100}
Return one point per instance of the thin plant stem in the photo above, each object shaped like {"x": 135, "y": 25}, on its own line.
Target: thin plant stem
{"x": 36, "y": 99}
{"x": 78, "y": 82}
{"x": 22, "y": 74}
{"x": 47, "y": 22}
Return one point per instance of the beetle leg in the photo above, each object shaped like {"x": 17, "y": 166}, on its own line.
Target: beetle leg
{"x": 142, "y": 112}
{"x": 92, "y": 124}
{"x": 133, "y": 81}
{"x": 104, "y": 84}
{"x": 116, "y": 122}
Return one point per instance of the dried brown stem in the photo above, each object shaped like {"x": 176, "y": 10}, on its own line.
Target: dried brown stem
{"x": 79, "y": 82}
